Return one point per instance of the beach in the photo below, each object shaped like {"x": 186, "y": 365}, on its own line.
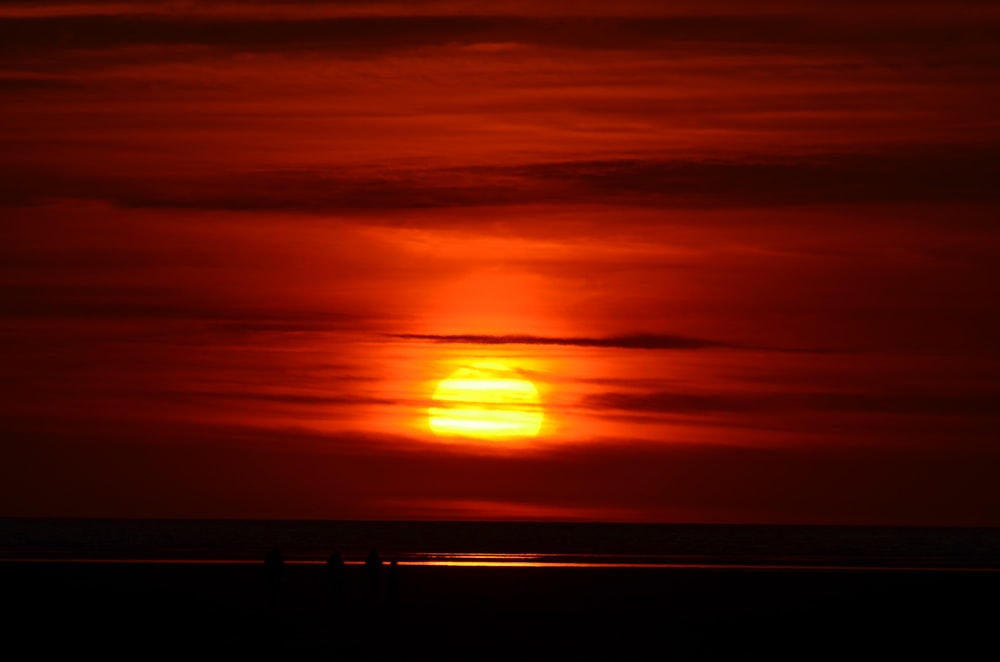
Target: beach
{"x": 199, "y": 610}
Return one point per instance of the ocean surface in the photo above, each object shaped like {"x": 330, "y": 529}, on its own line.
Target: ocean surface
{"x": 503, "y": 543}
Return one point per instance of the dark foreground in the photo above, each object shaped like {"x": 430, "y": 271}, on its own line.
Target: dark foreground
{"x": 222, "y": 611}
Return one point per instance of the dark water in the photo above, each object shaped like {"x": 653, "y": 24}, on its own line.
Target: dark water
{"x": 508, "y": 543}
{"x": 197, "y": 590}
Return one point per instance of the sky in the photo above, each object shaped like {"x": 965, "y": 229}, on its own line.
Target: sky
{"x": 747, "y": 252}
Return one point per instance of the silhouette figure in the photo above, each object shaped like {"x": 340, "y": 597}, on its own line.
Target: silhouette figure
{"x": 373, "y": 572}
{"x": 335, "y": 578}
{"x": 274, "y": 575}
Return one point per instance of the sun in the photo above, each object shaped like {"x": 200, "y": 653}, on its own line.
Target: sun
{"x": 486, "y": 401}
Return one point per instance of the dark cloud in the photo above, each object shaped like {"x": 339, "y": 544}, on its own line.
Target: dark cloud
{"x": 647, "y": 341}
{"x": 114, "y": 302}
{"x": 368, "y": 35}
{"x": 977, "y": 404}
{"x": 972, "y": 404}
{"x": 14, "y": 85}
{"x": 920, "y": 175}
{"x": 929, "y": 175}
{"x": 635, "y": 341}
{"x": 295, "y": 398}
{"x": 661, "y": 402}
{"x": 40, "y": 37}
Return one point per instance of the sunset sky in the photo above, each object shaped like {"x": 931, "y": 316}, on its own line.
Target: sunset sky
{"x": 747, "y": 251}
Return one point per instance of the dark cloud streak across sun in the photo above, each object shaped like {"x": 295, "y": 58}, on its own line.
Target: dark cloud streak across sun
{"x": 634, "y": 341}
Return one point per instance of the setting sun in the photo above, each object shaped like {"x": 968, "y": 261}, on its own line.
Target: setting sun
{"x": 486, "y": 401}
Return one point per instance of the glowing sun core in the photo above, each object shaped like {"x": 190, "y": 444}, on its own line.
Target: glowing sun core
{"x": 486, "y": 401}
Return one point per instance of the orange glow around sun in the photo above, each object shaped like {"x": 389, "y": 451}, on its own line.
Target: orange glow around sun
{"x": 488, "y": 401}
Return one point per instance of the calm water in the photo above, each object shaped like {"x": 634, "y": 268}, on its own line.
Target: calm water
{"x": 502, "y": 543}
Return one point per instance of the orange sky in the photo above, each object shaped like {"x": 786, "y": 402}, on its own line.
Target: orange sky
{"x": 748, "y": 252}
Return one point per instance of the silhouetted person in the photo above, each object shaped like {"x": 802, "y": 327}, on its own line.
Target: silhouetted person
{"x": 335, "y": 578}
{"x": 373, "y": 573}
{"x": 274, "y": 574}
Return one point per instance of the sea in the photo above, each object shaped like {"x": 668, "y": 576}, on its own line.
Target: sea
{"x": 506, "y": 544}
{"x": 200, "y": 589}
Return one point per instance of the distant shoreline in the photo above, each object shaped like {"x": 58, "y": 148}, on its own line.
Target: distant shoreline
{"x": 467, "y": 563}
{"x": 652, "y": 547}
